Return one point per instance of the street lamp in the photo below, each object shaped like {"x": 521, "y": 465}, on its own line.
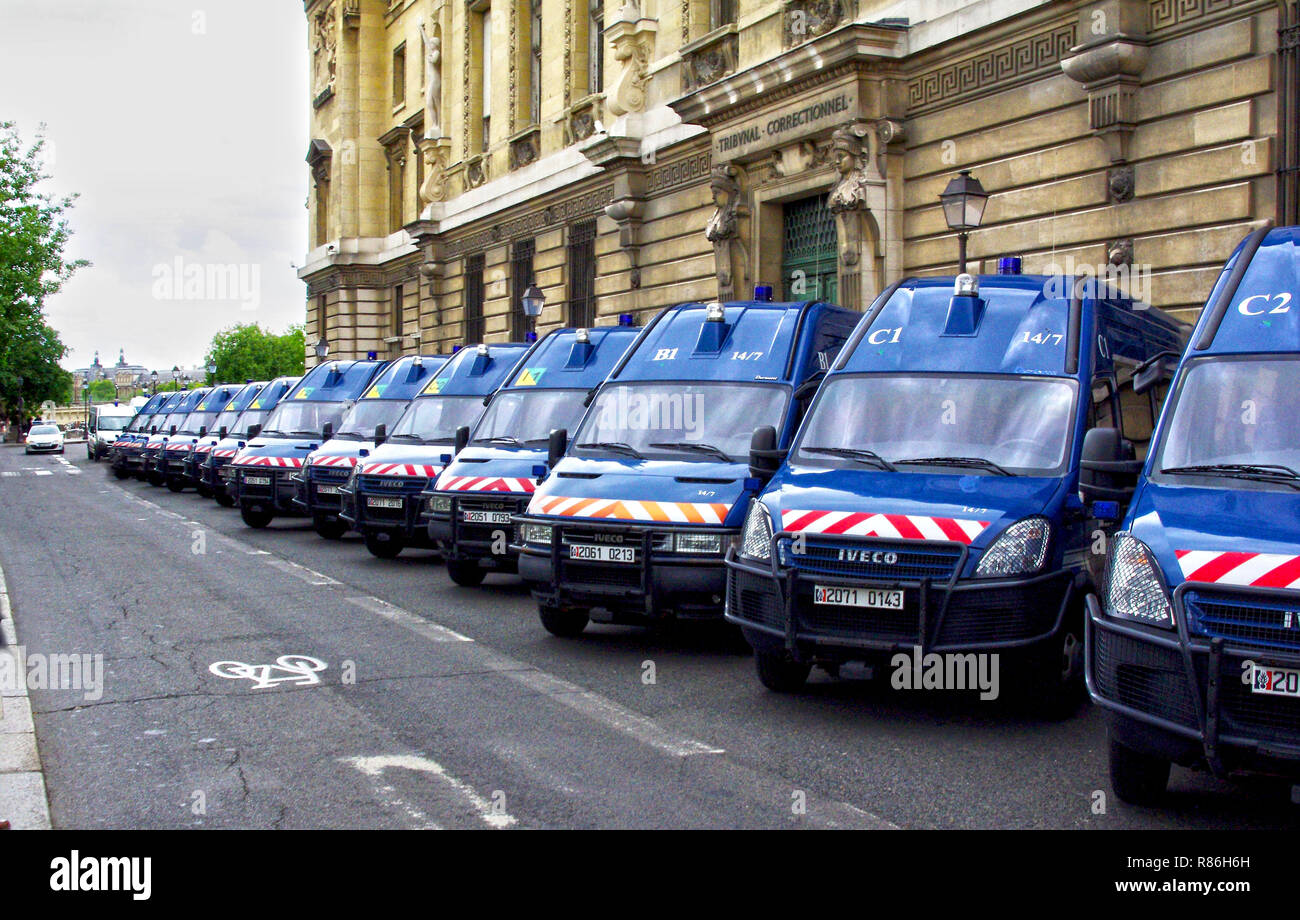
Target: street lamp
{"x": 963, "y": 209}
{"x": 322, "y": 349}
{"x": 212, "y": 373}
{"x": 532, "y": 301}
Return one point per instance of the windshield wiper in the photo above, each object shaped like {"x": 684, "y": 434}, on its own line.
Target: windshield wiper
{"x": 1261, "y": 472}
{"x": 269, "y": 432}
{"x": 692, "y": 445}
{"x": 301, "y": 431}
{"x": 500, "y": 439}
{"x": 979, "y": 462}
{"x": 854, "y": 453}
{"x": 621, "y": 447}
{"x": 406, "y": 437}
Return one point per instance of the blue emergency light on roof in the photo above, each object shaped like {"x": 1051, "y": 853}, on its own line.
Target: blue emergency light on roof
{"x": 966, "y": 309}
{"x": 249, "y": 380}
{"x": 530, "y": 336}
{"x": 626, "y": 319}
{"x": 763, "y": 293}
{"x": 1009, "y": 265}
{"x": 370, "y": 356}
{"x": 456, "y": 348}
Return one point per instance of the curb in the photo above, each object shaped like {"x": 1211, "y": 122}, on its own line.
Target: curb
{"x": 23, "y": 799}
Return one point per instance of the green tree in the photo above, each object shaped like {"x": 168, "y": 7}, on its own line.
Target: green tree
{"x": 248, "y": 352}
{"x": 102, "y": 391}
{"x": 33, "y": 234}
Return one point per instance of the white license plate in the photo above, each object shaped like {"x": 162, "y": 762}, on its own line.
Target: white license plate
{"x": 328, "y": 490}
{"x": 879, "y": 598}
{"x": 379, "y": 501}
{"x": 257, "y": 480}
{"x": 485, "y": 517}
{"x": 1275, "y": 681}
{"x": 603, "y": 553}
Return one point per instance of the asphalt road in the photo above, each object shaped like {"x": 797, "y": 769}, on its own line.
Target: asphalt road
{"x": 447, "y": 707}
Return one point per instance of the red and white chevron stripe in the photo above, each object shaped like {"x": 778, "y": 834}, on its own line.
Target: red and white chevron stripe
{"x": 225, "y": 452}
{"x": 627, "y": 510}
{"x": 203, "y": 449}
{"x": 154, "y": 445}
{"x": 178, "y": 448}
{"x": 1255, "y": 570}
{"x": 330, "y": 460}
{"x": 290, "y": 462}
{"x": 892, "y": 526}
{"x": 400, "y": 469}
{"x": 487, "y": 484}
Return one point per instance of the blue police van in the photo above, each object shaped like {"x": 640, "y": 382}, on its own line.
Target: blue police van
{"x": 382, "y": 498}
{"x": 471, "y": 504}
{"x": 171, "y": 462}
{"x": 632, "y": 520}
{"x": 321, "y": 481}
{"x": 196, "y": 457}
{"x": 1194, "y": 633}
{"x": 172, "y": 422}
{"x": 265, "y": 469}
{"x": 929, "y": 504}
{"x": 133, "y": 453}
{"x": 233, "y": 434}
{"x": 123, "y": 454}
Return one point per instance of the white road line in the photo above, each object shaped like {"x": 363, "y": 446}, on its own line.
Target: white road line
{"x": 301, "y": 571}
{"x": 487, "y": 811}
{"x": 417, "y": 624}
{"x": 45, "y": 472}
{"x": 10, "y": 473}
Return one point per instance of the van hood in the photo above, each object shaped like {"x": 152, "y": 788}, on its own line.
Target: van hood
{"x": 648, "y": 491}
{"x": 1221, "y": 536}
{"x": 397, "y": 459}
{"x": 342, "y": 453}
{"x": 970, "y": 509}
{"x": 492, "y": 469}
{"x": 281, "y": 452}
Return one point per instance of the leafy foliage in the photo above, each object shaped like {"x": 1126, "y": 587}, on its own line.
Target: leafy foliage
{"x": 248, "y": 352}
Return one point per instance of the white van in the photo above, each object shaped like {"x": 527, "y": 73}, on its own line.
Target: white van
{"x": 105, "y": 426}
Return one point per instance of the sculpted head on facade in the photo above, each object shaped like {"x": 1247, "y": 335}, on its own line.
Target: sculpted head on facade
{"x": 725, "y": 185}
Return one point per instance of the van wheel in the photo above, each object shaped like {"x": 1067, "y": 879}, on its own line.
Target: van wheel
{"x": 154, "y": 479}
{"x": 465, "y": 574}
{"x": 1137, "y": 778}
{"x": 258, "y": 519}
{"x": 224, "y": 499}
{"x": 176, "y": 485}
{"x": 121, "y": 474}
{"x": 204, "y": 490}
{"x": 1055, "y": 688}
{"x": 565, "y": 622}
{"x": 780, "y": 673}
{"x": 331, "y": 528}
{"x": 386, "y": 547}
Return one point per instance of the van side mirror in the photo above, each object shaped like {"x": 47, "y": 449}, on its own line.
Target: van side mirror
{"x": 203, "y": 430}
{"x": 556, "y": 446}
{"x": 381, "y": 434}
{"x": 462, "y": 438}
{"x": 1107, "y": 469}
{"x": 173, "y": 429}
{"x": 223, "y": 432}
{"x": 254, "y": 431}
{"x": 327, "y": 432}
{"x": 764, "y": 457}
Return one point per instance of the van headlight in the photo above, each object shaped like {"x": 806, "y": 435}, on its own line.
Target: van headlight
{"x": 698, "y": 543}
{"x": 756, "y": 539}
{"x": 535, "y": 533}
{"x": 1132, "y": 588}
{"x": 441, "y": 504}
{"x": 1021, "y": 549}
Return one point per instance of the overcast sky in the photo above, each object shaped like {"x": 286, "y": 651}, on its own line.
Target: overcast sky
{"x": 183, "y": 126}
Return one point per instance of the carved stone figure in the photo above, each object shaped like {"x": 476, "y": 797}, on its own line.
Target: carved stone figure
{"x": 432, "y": 81}
{"x": 723, "y": 231}
{"x": 851, "y": 150}
{"x": 324, "y": 47}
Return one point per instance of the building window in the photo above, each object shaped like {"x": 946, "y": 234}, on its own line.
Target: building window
{"x": 721, "y": 13}
{"x": 320, "y": 320}
{"x": 396, "y": 319}
{"x": 395, "y": 151}
{"x": 474, "y": 299}
{"x": 596, "y": 48}
{"x": 521, "y": 275}
{"x": 322, "y": 211}
{"x": 399, "y": 74}
{"x": 535, "y": 63}
{"x": 485, "y": 77}
{"x": 582, "y": 274}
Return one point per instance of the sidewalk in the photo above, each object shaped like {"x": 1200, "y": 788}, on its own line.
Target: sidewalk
{"x": 23, "y": 802}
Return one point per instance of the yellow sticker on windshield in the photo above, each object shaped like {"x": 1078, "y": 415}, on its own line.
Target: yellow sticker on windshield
{"x": 530, "y": 377}
{"x": 375, "y": 391}
{"x": 434, "y": 386}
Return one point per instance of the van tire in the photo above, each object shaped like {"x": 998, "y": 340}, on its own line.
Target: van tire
{"x": 780, "y": 673}
{"x": 176, "y": 485}
{"x": 331, "y": 528}
{"x": 204, "y": 490}
{"x": 257, "y": 519}
{"x": 224, "y": 499}
{"x": 121, "y": 474}
{"x": 1137, "y": 778}
{"x": 466, "y": 574}
{"x": 565, "y": 622}
{"x": 384, "y": 549}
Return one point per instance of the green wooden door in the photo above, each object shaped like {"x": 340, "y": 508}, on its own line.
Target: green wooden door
{"x": 810, "y": 243}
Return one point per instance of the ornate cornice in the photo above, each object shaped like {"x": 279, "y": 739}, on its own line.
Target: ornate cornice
{"x": 575, "y": 207}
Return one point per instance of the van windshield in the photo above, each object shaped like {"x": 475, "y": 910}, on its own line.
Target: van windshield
{"x": 1234, "y": 419}
{"x": 247, "y": 419}
{"x": 304, "y": 418}
{"x": 923, "y": 423}
{"x": 663, "y": 419}
{"x": 434, "y": 419}
{"x": 527, "y": 417}
{"x": 112, "y": 422}
{"x": 360, "y": 423}
{"x": 196, "y": 420}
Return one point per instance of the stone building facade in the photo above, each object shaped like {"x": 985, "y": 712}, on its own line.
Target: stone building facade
{"x": 626, "y": 158}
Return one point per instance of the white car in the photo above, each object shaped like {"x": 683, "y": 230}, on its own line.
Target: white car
{"x": 45, "y": 438}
